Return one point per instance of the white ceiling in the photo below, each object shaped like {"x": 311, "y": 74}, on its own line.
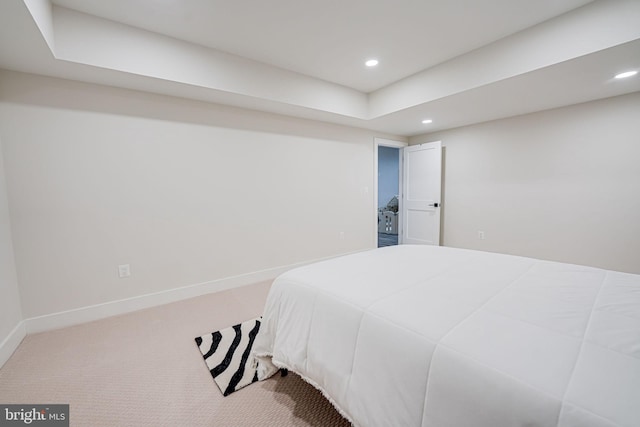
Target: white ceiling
{"x": 331, "y": 39}
{"x": 456, "y": 61}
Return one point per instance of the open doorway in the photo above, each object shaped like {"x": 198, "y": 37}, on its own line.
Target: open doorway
{"x": 387, "y": 192}
{"x": 388, "y": 195}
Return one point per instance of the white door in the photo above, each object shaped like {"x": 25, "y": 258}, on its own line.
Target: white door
{"x": 421, "y": 189}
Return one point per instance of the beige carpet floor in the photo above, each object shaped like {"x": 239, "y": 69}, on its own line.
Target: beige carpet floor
{"x": 144, "y": 369}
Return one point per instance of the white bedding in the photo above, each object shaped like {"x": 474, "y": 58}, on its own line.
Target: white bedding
{"x": 443, "y": 337}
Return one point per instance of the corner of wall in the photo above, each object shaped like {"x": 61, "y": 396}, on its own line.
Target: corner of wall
{"x": 12, "y": 341}
{"x": 12, "y": 329}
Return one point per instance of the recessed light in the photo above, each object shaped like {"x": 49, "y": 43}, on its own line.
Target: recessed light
{"x": 427, "y": 121}
{"x": 371, "y": 63}
{"x": 626, "y": 74}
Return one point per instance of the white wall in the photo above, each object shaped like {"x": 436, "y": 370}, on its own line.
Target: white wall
{"x": 562, "y": 184}
{"x": 10, "y": 314}
{"x": 184, "y": 192}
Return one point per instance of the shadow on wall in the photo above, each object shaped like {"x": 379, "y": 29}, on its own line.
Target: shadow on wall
{"x": 22, "y": 88}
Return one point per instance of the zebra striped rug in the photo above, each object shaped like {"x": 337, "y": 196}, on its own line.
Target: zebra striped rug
{"x": 227, "y": 354}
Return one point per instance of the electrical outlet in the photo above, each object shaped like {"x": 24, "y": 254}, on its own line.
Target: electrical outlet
{"x": 124, "y": 270}
{"x": 342, "y": 235}
{"x": 481, "y": 235}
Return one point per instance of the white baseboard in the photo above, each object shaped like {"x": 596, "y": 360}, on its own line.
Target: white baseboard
{"x": 11, "y": 342}
{"x": 100, "y": 311}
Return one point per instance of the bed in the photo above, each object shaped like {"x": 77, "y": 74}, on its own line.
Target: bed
{"x": 436, "y": 336}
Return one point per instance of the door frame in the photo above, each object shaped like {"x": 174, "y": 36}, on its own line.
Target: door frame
{"x": 385, "y": 143}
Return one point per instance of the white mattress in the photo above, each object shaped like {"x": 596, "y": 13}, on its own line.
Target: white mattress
{"x": 435, "y": 336}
